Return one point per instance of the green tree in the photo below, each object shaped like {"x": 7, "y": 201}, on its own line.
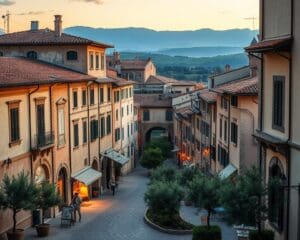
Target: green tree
{"x": 204, "y": 192}
{"x": 151, "y": 158}
{"x": 163, "y": 144}
{"x": 187, "y": 175}
{"x": 47, "y": 197}
{"x": 19, "y": 194}
{"x": 164, "y": 174}
{"x": 245, "y": 200}
{"x": 164, "y": 198}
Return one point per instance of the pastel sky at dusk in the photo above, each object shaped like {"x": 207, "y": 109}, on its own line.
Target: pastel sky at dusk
{"x": 154, "y": 14}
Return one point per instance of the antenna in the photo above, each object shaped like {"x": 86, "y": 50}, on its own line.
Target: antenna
{"x": 6, "y": 21}
{"x": 253, "y": 21}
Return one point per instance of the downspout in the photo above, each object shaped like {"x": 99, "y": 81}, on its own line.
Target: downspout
{"x": 70, "y": 145}
{"x": 100, "y": 122}
{"x": 88, "y": 121}
{"x": 229, "y": 127}
{"x": 30, "y": 140}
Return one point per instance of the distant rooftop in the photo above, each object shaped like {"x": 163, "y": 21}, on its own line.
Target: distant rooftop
{"x": 153, "y": 100}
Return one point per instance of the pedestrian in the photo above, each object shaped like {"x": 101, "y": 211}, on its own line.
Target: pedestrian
{"x": 113, "y": 187}
{"x": 76, "y": 202}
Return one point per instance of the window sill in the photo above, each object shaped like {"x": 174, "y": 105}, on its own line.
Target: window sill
{"x": 75, "y": 108}
{"x": 15, "y": 143}
{"x": 84, "y": 144}
{"x": 61, "y": 146}
{"x": 75, "y": 148}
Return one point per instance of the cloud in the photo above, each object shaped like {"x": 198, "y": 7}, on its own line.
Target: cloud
{"x": 6, "y": 2}
{"x": 31, "y": 13}
{"x": 98, "y": 2}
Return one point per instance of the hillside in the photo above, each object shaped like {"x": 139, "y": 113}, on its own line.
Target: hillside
{"x": 201, "y": 51}
{"x": 142, "y": 39}
{"x": 188, "y": 68}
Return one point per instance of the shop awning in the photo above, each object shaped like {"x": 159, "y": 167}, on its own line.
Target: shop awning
{"x": 115, "y": 156}
{"x": 227, "y": 171}
{"x": 87, "y": 175}
{"x": 175, "y": 149}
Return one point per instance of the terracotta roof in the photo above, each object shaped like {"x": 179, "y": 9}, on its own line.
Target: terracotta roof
{"x": 247, "y": 86}
{"x": 270, "y": 45}
{"x": 153, "y": 100}
{"x": 45, "y": 37}
{"x": 24, "y": 72}
{"x": 135, "y": 64}
{"x": 185, "y": 112}
{"x": 208, "y": 96}
{"x": 157, "y": 79}
{"x": 120, "y": 82}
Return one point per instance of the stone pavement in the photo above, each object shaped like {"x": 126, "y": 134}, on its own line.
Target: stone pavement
{"x": 118, "y": 217}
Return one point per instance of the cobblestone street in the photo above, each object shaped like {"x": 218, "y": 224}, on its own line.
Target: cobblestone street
{"x": 119, "y": 217}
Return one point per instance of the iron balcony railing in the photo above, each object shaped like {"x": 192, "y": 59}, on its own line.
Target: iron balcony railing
{"x": 43, "y": 140}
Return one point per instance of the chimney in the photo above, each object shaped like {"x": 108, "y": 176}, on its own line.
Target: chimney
{"x": 34, "y": 25}
{"x": 58, "y": 25}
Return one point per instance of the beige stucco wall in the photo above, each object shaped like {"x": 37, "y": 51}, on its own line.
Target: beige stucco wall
{"x": 149, "y": 70}
{"x": 96, "y": 72}
{"x": 277, "y": 18}
{"x": 275, "y": 65}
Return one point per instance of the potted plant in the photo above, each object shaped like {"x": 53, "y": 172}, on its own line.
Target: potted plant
{"x": 47, "y": 197}
{"x": 19, "y": 194}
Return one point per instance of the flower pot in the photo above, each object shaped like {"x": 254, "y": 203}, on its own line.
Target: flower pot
{"x": 17, "y": 235}
{"x": 43, "y": 230}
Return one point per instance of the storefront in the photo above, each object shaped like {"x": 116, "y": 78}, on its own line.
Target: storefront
{"x": 83, "y": 181}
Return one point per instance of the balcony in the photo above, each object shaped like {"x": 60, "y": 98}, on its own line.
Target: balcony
{"x": 43, "y": 141}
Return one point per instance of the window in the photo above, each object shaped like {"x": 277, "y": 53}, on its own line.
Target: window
{"x": 122, "y": 112}
{"x": 14, "y": 122}
{"x": 224, "y": 103}
{"x": 76, "y": 133}
{"x": 198, "y": 123}
{"x": 94, "y": 129}
{"x": 40, "y": 118}
{"x": 278, "y": 102}
{"x": 75, "y": 99}
{"x": 126, "y": 92}
{"x": 223, "y": 157}
{"x": 128, "y": 130}
{"x": 221, "y": 128}
{"x": 234, "y": 133}
{"x": 32, "y": 55}
{"x": 127, "y": 110}
{"x": 84, "y": 132}
{"x": 130, "y": 92}
{"x": 91, "y": 61}
{"x": 169, "y": 115}
{"x": 72, "y": 55}
{"x": 108, "y": 124}
{"x": 128, "y": 151}
{"x": 122, "y": 133}
{"x": 234, "y": 101}
{"x": 146, "y": 115}
{"x": 131, "y": 128}
{"x": 92, "y": 96}
{"x": 102, "y": 122}
{"x": 117, "y": 114}
{"x": 117, "y": 134}
{"x": 131, "y": 108}
{"x": 108, "y": 94}
{"x": 61, "y": 126}
{"x": 122, "y": 93}
{"x": 97, "y": 61}
{"x": 117, "y": 96}
{"x": 83, "y": 97}
{"x": 1, "y": 54}
{"x": 102, "y": 61}
{"x": 187, "y": 90}
{"x": 101, "y": 95}
{"x": 205, "y": 128}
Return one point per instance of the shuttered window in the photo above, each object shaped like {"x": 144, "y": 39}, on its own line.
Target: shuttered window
{"x": 84, "y": 132}
{"x": 169, "y": 115}
{"x": 108, "y": 124}
{"x": 102, "y": 122}
{"x": 75, "y": 99}
{"x": 234, "y": 101}
{"x": 14, "y": 124}
{"x": 278, "y": 102}
{"x": 84, "y": 97}
{"x": 94, "y": 130}
{"x": 101, "y": 95}
{"x": 146, "y": 115}
{"x": 108, "y": 94}
{"x": 117, "y": 134}
{"x": 76, "y": 137}
{"x": 92, "y": 96}
{"x": 234, "y": 133}
{"x": 221, "y": 128}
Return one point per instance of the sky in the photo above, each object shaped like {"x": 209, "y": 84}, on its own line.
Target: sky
{"x": 153, "y": 14}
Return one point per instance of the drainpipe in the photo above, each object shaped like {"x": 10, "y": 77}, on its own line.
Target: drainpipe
{"x": 229, "y": 127}
{"x": 88, "y": 120}
{"x": 70, "y": 145}
{"x": 30, "y": 140}
{"x": 100, "y": 122}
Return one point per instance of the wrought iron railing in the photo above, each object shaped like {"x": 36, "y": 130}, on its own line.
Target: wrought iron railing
{"x": 43, "y": 140}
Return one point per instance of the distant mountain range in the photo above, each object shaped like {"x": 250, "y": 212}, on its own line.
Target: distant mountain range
{"x": 170, "y": 42}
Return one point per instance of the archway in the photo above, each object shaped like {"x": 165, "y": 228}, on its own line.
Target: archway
{"x": 62, "y": 184}
{"x": 156, "y": 133}
{"x": 96, "y": 184}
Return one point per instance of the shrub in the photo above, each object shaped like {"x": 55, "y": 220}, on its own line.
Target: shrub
{"x": 163, "y": 144}
{"x": 207, "y": 233}
{"x": 151, "y": 158}
{"x": 263, "y": 235}
{"x": 164, "y": 198}
{"x": 187, "y": 175}
{"x": 164, "y": 174}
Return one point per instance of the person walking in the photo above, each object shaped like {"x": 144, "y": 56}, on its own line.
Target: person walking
{"x": 76, "y": 202}
{"x": 113, "y": 187}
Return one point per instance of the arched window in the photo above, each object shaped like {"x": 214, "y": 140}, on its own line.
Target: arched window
{"x": 72, "y": 55}
{"x": 1, "y": 54}
{"x": 276, "y": 194}
{"x": 32, "y": 55}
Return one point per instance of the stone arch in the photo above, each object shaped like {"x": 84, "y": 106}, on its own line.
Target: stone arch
{"x": 41, "y": 174}
{"x": 276, "y": 168}
{"x": 155, "y": 128}
{"x": 62, "y": 182}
